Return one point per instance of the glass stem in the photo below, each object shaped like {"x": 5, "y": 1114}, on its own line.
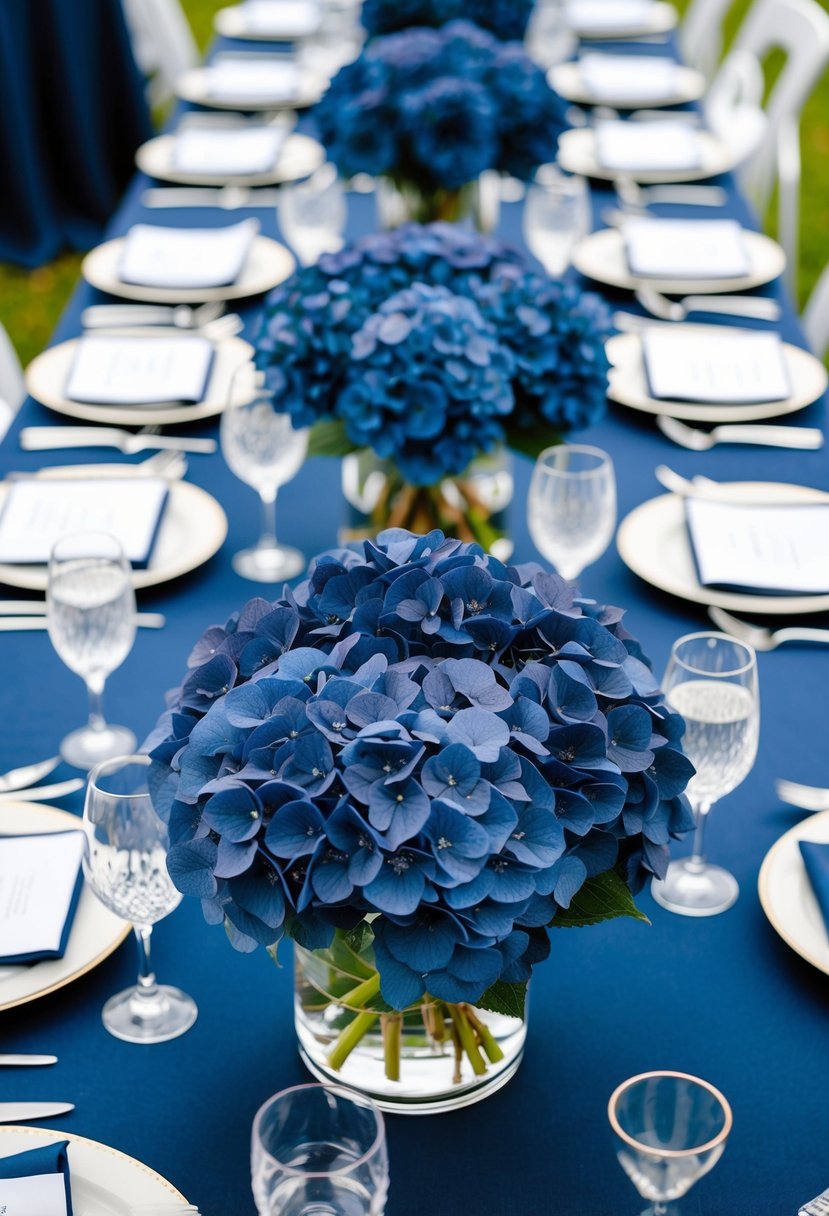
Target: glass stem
{"x": 147, "y": 986}
{"x": 268, "y": 538}
{"x": 95, "y": 691}
{"x": 701, "y": 810}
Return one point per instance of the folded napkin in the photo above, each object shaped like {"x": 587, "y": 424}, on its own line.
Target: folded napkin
{"x": 187, "y": 258}
{"x": 283, "y": 19}
{"x": 40, "y": 883}
{"x": 734, "y": 368}
{"x": 686, "y": 249}
{"x": 38, "y": 512}
{"x": 139, "y": 371}
{"x": 640, "y": 77}
{"x": 36, "y": 1183}
{"x": 816, "y": 860}
{"x": 250, "y": 78}
{"x": 604, "y": 15}
{"x": 230, "y": 151}
{"x": 627, "y": 147}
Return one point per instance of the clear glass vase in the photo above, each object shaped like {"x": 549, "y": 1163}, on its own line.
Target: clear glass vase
{"x": 473, "y": 506}
{"x": 477, "y": 204}
{"x": 432, "y": 1057}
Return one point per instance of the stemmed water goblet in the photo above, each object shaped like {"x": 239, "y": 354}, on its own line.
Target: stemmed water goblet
{"x": 125, "y": 865}
{"x": 671, "y": 1129}
{"x": 571, "y": 506}
{"x": 90, "y": 609}
{"x": 711, "y": 679}
{"x": 312, "y": 214}
{"x": 264, "y": 450}
{"x": 557, "y": 215}
{"x": 319, "y": 1150}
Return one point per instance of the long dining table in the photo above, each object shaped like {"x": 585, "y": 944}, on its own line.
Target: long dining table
{"x": 723, "y": 997}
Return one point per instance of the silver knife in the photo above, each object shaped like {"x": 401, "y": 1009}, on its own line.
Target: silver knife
{"x": 19, "y": 1112}
{"x": 226, "y": 198}
{"x": 11, "y": 624}
{"x": 48, "y": 438}
{"x": 26, "y": 1061}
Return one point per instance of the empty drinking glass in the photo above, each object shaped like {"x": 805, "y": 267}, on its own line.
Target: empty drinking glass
{"x": 671, "y": 1129}
{"x": 126, "y": 867}
{"x": 90, "y": 610}
{"x": 264, "y": 450}
{"x": 312, "y": 214}
{"x": 319, "y": 1150}
{"x": 571, "y": 506}
{"x": 711, "y": 679}
{"x": 557, "y": 214}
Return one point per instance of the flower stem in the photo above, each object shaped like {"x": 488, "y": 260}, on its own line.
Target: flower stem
{"x": 348, "y": 1039}
{"x": 485, "y": 1035}
{"x": 392, "y": 1026}
{"x": 467, "y": 1037}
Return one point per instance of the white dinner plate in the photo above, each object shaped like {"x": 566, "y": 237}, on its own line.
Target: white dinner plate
{"x": 194, "y": 86}
{"x": 661, "y": 20}
{"x": 787, "y": 896}
{"x": 231, "y": 23}
{"x": 653, "y": 542}
{"x": 577, "y": 154}
{"x": 193, "y": 528}
{"x": 48, "y": 373}
{"x": 300, "y": 157}
{"x": 602, "y": 257}
{"x": 566, "y": 79}
{"x": 268, "y": 264}
{"x": 95, "y": 931}
{"x": 104, "y": 1181}
{"x": 628, "y": 385}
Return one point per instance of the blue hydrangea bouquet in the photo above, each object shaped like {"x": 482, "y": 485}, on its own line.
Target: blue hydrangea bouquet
{"x": 506, "y": 19}
{"x": 430, "y": 110}
{"x": 415, "y": 765}
{"x": 430, "y": 346}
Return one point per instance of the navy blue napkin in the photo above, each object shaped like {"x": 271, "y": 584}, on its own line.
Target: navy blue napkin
{"x": 49, "y": 1159}
{"x": 37, "y": 956}
{"x": 816, "y": 860}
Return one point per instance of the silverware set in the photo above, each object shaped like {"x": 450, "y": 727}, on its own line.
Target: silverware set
{"x": 45, "y": 438}
{"x": 20, "y": 785}
{"x": 757, "y": 308}
{"x": 762, "y": 638}
{"x": 805, "y": 438}
{"x": 227, "y": 198}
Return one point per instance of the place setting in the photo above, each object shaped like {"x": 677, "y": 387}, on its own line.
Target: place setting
{"x": 657, "y": 151}
{"x": 271, "y": 20}
{"x": 626, "y": 82}
{"x": 251, "y": 81}
{"x": 608, "y": 20}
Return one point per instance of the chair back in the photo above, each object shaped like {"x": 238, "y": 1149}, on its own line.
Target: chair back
{"x": 816, "y": 316}
{"x": 12, "y": 386}
{"x": 701, "y": 34}
{"x": 162, "y": 42}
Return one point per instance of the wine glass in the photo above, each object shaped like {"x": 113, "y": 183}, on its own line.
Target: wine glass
{"x": 557, "y": 214}
{"x": 264, "y": 450}
{"x": 319, "y": 1150}
{"x": 571, "y": 506}
{"x": 126, "y": 866}
{"x": 312, "y": 214}
{"x": 711, "y": 679}
{"x": 90, "y": 613}
{"x": 671, "y": 1129}
{"x": 549, "y": 39}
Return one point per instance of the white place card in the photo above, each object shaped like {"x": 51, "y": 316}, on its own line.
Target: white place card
{"x": 189, "y": 258}
{"x": 228, "y": 151}
{"x": 641, "y": 77}
{"x": 39, "y": 878}
{"x": 628, "y": 147}
{"x": 282, "y": 18}
{"x": 590, "y": 15}
{"x": 37, "y": 1195}
{"x": 774, "y": 550}
{"x": 739, "y": 368}
{"x": 139, "y": 371}
{"x": 37, "y": 513}
{"x": 686, "y": 249}
{"x": 250, "y": 78}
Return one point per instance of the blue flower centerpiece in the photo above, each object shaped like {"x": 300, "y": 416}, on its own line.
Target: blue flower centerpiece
{"x": 431, "y": 346}
{"x": 433, "y": 109}
{"x": 415, "y": 765}
{"x": 506, "y": 19}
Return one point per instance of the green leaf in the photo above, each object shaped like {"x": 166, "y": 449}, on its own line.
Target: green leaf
{"x": 507, "y": 999}
{"x": 601, "y": 898}
{"x": 532, "y": 440}
{"x": 328, "y": 438}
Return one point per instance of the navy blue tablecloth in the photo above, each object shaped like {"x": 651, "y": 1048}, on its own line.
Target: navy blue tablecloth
{"x": 72, "y": 113}
{"x": 723, "y": 998}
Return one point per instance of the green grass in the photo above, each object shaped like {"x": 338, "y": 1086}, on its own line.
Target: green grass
{"x": 31, "y": 302}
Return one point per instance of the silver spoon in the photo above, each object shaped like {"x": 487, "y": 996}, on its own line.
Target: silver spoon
{"x": 805, "y": 438}
{"x": 807, "y": 797}
{"x": 29, "y": 774}
{"x": 760, "y": 308}
{"x": 763, "y": 639}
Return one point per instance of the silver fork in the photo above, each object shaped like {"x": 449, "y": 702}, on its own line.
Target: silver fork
{"x": 181, "y": 316}
{"x": 631, "y": 192}
{"x": 760, "y": 308}
{"x": 766, "y": 639}
{"x": 42, "y": 438}
{"x": 805, "y": 438}
{"x": 807, "y": 797}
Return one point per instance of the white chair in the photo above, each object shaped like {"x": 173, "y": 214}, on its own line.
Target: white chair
{"x": 162, "y": 43}
{"x": 12, "y": 386}
{"x": 815, "y": 317}
{"x": 701, "y": 34}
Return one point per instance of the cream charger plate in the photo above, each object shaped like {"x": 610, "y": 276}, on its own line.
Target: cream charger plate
{"x": 602, "y": 257}
{"x": 787, "y": 896}
{"x": 47, "y": 375}
{"x": 268, "y": 264}
{"x": 104, "y": 1181}
{"x": 232, "y": 23}
{"x": 577, "y": 154}
{"x": 194, "y": 86}
{"x": 628, "y": 385}
{"x": 95, "y": 931}
{"x": 653, "y": 542}
{"x": 300, "y": 157}
{"x": 193, "y": 528}
{"x": 566, "y": 79}
{"x": 661, "y": 19}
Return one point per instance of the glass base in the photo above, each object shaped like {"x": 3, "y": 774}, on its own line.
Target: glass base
{"x": 138, "y": 1018}
{"x": 84, "y": 748}
{"x": 271, "y": 564}
{"x": 694, "y": 889}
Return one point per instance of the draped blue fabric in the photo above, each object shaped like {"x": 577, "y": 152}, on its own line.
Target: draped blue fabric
{"x": 72, "y": 112}
{"x": 723, "y": 998}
